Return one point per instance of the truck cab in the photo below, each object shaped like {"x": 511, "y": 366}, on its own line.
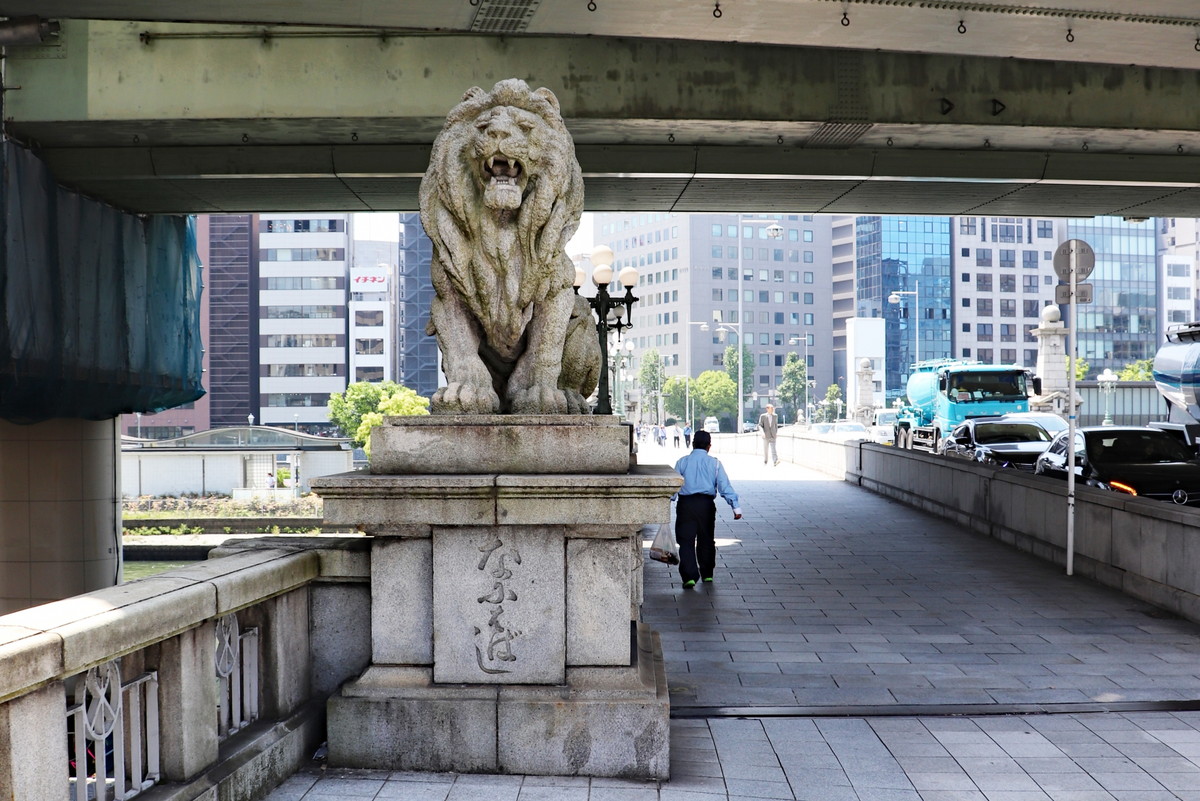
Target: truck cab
{"x": 944, "y": 393}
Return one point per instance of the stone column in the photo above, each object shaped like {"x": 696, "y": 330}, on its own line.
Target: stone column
{"x": 33, "y": 745}
{"x": 60, "y": 513}
{"x": 1052, "y": 365}
{"x": 504, "y": 600}
{"x": 188, "y": 702}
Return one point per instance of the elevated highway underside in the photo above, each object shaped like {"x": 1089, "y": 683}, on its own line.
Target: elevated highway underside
{"x": 164, "y": 117}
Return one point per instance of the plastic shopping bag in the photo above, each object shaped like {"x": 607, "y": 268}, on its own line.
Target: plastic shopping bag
{"x": 663, "y": 548}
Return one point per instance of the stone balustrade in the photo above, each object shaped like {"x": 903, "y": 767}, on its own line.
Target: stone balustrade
{"x": 214, "y": 674}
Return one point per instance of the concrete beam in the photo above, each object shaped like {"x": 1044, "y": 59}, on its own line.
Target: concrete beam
{"x": 243, "y": 124}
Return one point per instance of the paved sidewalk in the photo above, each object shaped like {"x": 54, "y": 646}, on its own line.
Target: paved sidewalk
{"x": 853, "y": 649}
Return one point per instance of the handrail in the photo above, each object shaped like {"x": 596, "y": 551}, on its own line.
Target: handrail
{"x": 60, "y": 639}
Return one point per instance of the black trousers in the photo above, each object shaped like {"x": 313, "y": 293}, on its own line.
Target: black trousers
{"x": 695, "y": 524}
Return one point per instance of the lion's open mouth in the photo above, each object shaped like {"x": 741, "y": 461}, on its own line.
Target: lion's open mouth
{"x": 500, "y": 170}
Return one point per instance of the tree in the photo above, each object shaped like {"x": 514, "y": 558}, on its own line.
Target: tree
{"x": 791, "y": 386}
{"x": 652, "y": 377}
{"x": 1141, "y": 370}
{"x": 675, "y": 396}
{"x": 715, "y": 393}
{"x": 346, "y": 409}
{"x": 731, "y": 366}
{"x": 401, "y": 402}
{"x": 1081, "y": 368}
{"x": 833, "y": 402}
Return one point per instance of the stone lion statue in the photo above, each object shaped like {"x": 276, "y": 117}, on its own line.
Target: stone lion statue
{"x": 501, "y": 198}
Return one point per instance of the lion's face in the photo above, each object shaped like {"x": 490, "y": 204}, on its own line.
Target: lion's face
{"x": 505, "y": 145}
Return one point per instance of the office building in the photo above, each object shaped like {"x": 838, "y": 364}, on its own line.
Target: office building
{"x": 373, "y": 307}
{"x": 908, "y": 257}
{"x": 419, "y": 360}
{"x": 779, "y": 302}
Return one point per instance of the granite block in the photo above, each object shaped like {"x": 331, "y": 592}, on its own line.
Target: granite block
{"x": 401, "y": 601}
{"x": 499, "y": 605}
{"x": 598, "y": 602}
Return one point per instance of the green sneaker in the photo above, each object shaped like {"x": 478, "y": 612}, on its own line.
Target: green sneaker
{"x": 708, "y": 580}
{"x": 687, "y": 585}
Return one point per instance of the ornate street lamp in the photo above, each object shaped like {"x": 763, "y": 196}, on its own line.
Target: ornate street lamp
{"x": 609, "y": 312}
{"x": 1108, "y": 388}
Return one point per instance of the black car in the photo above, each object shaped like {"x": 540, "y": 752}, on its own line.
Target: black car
{"x": 1145, "y": 462}
{"x": 998, "y": 441}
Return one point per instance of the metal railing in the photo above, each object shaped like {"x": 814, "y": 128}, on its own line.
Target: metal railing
{"x": 113, "y": 727}
{"x": 238, "y": 693}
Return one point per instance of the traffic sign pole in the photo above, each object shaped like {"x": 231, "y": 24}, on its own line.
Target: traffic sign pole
{"x": 1074, "y": 259}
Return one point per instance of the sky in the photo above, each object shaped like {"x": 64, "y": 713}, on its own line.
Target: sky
{"x": 385, "y": 227}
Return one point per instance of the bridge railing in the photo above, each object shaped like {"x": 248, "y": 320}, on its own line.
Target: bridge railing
{"x": 174, "y": 678}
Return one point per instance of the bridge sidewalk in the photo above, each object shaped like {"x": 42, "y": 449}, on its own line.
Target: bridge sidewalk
{"x": 854, "y": 649}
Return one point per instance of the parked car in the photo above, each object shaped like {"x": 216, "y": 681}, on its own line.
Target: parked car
{"x": 820, "y": 429}
{"x": 712, "y": 425}
{"x": 998, "y": 441}
{"x": 842, "y": 430}
{"x": 1051, "y": 422}
{"x": 1145, "y": 462}
{"x": 747, "y": 426}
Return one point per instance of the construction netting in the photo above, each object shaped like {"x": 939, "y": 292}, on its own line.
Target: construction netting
{"x": 101, "y": 309}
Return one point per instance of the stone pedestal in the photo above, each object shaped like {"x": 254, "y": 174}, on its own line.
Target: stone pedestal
{"x": 504, "y": 600}
{"x": 1052, "y": 366}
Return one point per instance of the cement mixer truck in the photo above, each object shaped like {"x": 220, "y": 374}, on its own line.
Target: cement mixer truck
{"x": 1177, "y": 376}
{"x": 944, "y": 392}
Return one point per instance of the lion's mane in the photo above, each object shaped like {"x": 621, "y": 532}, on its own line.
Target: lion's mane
{"x": 503, "y": 260}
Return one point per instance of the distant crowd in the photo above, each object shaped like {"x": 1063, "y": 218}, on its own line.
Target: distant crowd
{"x": 674, "y": 435}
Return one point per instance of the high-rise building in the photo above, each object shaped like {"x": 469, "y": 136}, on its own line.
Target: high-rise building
{"x": 907, "y": 257}
{"x": 694, "y": 301}
{"x": 1121, "y": 324}
{"x": 232, "y": 336}
{"x": 302, "y": 305}
{"x": 1179, "y": 257}
{"x": 1003, "y": 276}
{"x": 373, "y": 330}
{"x": 419, "y": 366}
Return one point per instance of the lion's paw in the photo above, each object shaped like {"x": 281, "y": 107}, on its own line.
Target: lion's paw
{"x": 576, "y": 403}
{"x": 539, "y": 399}
{"x": 465, "y": 399}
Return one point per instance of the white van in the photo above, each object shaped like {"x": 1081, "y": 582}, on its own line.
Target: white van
{"x": 712, "y": 425}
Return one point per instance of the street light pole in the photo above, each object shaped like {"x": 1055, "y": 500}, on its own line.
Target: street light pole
{"x": 1108, "y": 387}
{"x": 894, "y": 298}
{"x": 609, "y": 311}
{"x": 774, "y": 231}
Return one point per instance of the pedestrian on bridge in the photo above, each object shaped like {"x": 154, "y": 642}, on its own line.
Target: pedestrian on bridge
{"x": 696, "y": 511}
{"x": 768, "y": 424}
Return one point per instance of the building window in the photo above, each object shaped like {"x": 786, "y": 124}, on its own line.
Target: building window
{"x": 718, "y": 273}
{"x": 1179, "y": 293}
{"x": 1008, "y": 307}
{"x": 966, "y": 226}
{"x": 966, "y": 278}
{"x": 966, "y": 327}
{"x": 371, "y": 317}
{"x": 1179, "y": 270}
{"x": 983, "y": 332}
{"x": 983, "y": 307}
{"x": 764, "y": 297}
{"x": 1045, "y": 229}
{"x": 717, "y": 251}
{"x": 808, "y": 298}
{"x": 983, "y": 282}
{"x": 808, "y": 235}
{"x": 1029, "y": 283}
{"x": 966, "y": 352}
{"x": 983, "y": 257}
{"x": 1008, "y": 282}
{"x": 718, "y": 293}
{"x": 1029, "y": 259}
{"x": 1032, "y": 308}
{"x": 808, "y": 278}
{"x": 1008, "y": 355}
{"x": 368, "y": 373}
{"x": 368, "y": 347}
{"x": 304, "y": 312}
{"x": 1030, "y": 357}
{"x": 966, "y": 252}
{"x": 808, "y": 319}
{"x": 1029, "y": 335}
{"x": 808, "y": 257}
{"x": 985, "y": 355}
{"x": 1008, "y": 332}
{"x": 717, "y": 229}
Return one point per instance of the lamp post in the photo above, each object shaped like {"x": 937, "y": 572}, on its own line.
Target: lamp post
{"x": 622, "y": 357}
{"x": 687, "y": 386}
{"x": 1108, "y": 387}
{"x": 138, "y": 415}
{"x": 774, "y": 231}
{"x": 250, "y": 419}
{"x": 894, "y": 298}
{"x": 796, "y": 341}
{"x": 609, "y": 311}
{"x": 295, "y": 422}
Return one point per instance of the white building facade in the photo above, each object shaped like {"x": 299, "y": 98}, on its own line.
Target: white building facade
{"x": 302, "y": 309}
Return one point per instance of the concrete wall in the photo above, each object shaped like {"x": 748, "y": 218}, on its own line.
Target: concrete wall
{"x": 59, "y": 515}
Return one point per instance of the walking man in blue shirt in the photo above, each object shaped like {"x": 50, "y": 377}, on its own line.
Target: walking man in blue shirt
{"x": 696, "y": 511}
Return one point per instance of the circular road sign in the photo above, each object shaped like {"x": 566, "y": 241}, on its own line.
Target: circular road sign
{"x": 1085, "y": 260}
